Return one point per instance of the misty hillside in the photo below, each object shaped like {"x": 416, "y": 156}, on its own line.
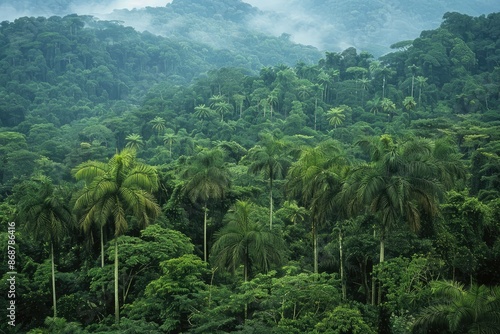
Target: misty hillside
{"x": 218, "y": 25}
{"x": 330, "y": 25}
{"x": 365, "y": 24}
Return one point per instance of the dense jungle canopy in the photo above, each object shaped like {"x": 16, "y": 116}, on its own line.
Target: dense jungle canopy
{"x": 162, "y": 185}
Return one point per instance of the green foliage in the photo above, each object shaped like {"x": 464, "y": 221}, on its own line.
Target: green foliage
{"x": 415, "y": 142}
{"x": 475, "y": 310}
{"x": 343, "y": 319}
{"x": 246, "y": 241}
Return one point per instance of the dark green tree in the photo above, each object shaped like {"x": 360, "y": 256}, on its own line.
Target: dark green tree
{"x": 245, "y": 241}
{"x": 270, "y": 159}
{"x": 113, "y": 191}
{"x": 207, "y": 178}
{"x": 47, "y": 215}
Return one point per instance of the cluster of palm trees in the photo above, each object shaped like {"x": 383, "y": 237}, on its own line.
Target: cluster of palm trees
{"x": 113, "y": 192}
{"x": 401, "y": 181}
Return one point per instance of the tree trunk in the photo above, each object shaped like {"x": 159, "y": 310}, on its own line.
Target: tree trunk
{"x": 373, "y": 288}
{"x": 382, "y": 256}
{"x": 412, "y": 84}
{"x": 245, "y": 277}
{"x": 205, "y": 234}
{"x": 315, "y": 111}
{"x": 271, "y": 203}
{"x": 342, "y": 278}
{"x": 102, "y": 246}
{"x": 315, "y": 246}
{"x": 54, "y": 298}
{"x": 117, "y": 301}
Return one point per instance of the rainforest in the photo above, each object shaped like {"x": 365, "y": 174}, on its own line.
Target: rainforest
{"x": 160, "y": 184}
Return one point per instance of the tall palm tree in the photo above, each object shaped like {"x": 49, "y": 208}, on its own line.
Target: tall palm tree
{"x": 47, "y": 216}
{"x": 245, "y": 241}
{"x": 169, "y": 138}
{"x": 364, "y": 87}
{"x": 239, "y": 100}
{"x": 269, "y": 158}
{"x": 134, "y": 141}
{"x": 220, "y": 105}
{"x": 400, "y": 183}
{"x": 388, "y": 106}
{"x": 203, "y": 112}
{"x": 272, "y": 100}
{"x": 112, "y": 192}
{"x": 456, "y": 310}
{"x": 207, "y": 179}
{"x": 409, "y": 104}
{"x": 421, "y": 81}
{"x": 374, "y": 105}
{"x": 315, "y": 179}
{"x": 335, "y": 116}
{"x": 159, "y": 124}
{"x": 324, "y": 80}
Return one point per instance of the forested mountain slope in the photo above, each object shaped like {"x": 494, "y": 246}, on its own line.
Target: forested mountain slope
{"x": 161, "y": 186}
{"x": 331, "y": 25}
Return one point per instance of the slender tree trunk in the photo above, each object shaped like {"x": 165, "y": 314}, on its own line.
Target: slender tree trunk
{"x": 101, "y": 228}
{"x": 362, "y": 267}
{"x": 117, "y": 301}
{"x": 383, "y": 87}
{"x": 102, "y": 245}
{"x": 245, "y": 277}
{"x": 342, "y": 278}
{"x": 315, "y": 246}
{"x": 374, "y": 289}
{"x": 205, "y": 234}
{"x": 315, "y": 111}
{"x": 271, "y": 203}
{"x": 412, "y": 84}
{"x": 54, "y": 298}
{"x": 373, "y": 274}
{"x": 382, "y": 257}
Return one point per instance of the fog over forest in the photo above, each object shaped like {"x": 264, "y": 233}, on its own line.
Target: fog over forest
{"x": 332, "y": 25}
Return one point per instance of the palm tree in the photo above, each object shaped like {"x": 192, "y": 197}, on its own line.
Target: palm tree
{"x": 402, "y": 182}
{"x": 336, "y": 116}
{"x": 114, "y": 190}
{"x": 388, "y": 106}
{"x": 169, "y": 138}
{"x": 207, "y": 179}
{"x": 374, "y": 105}
{"x": 409, "y": 104}
{"x": 47, "y": 216}
{"x": 239, "y": 99}
{"x": 315, "y": 179}
{"x": 456, "y": 310}
{"x": 303, "y": 92}
{"x": 245, "y": 241}
{"x": 324, "y": 81}
{"x": 421, "y": 81}
{"x": 134, "y": 141}
{"x": 364, "y": 87}
{"x": 220, "y": 105}
{"x": 159, "y": 124}
{"x": 270, "y": 160}
{"x": 413, "y": 69}
{"x": 272, "y": 100}
{"x": 203, "y": 112}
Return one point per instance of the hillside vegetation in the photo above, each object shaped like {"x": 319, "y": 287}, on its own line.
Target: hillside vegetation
{"x": 165, "y": 186}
